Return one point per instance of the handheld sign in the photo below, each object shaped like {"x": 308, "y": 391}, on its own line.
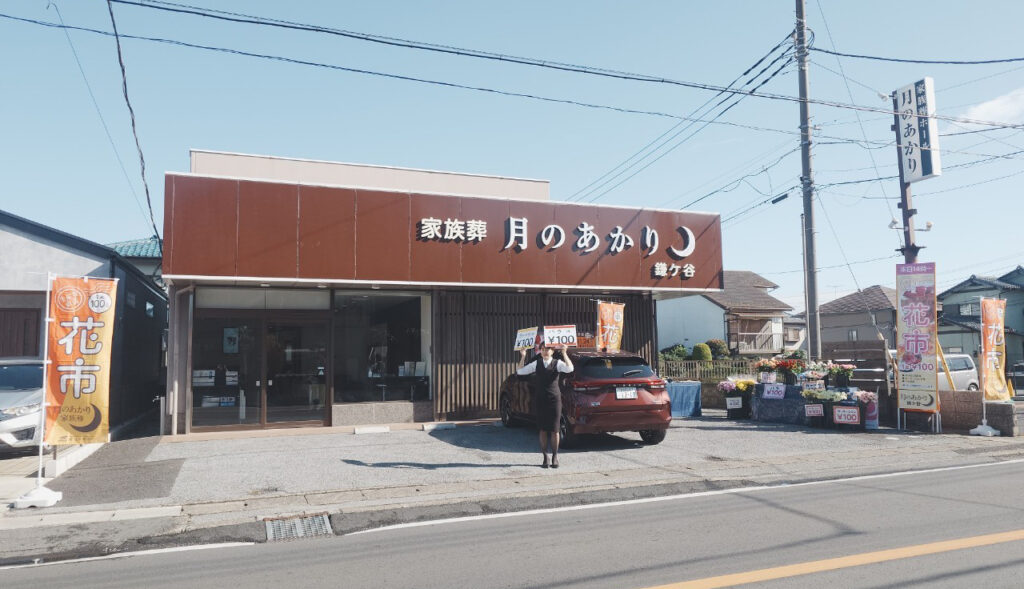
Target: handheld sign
{"x": 560, "y": 335}
{"x": 526, "y": 338}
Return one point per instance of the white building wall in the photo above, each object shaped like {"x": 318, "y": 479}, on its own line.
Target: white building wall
{"x": 25, "y": 260}
{"x": 689, "y": 320}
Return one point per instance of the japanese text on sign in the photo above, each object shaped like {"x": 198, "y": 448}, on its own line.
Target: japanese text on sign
{"x": 916, "y": 336}
{"x": 847, "y": 415}
{"x": 774, "y": 391}
{"x": 560, "y": 335}
{"x": 526, "y": 338}
{"x": 917, "y": 134}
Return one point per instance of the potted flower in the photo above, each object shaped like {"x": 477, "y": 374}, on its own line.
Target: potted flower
{"x": 789, "y": 368}
{"x": 765, "y": 370}
{"x": 737, "y": 399}
{"x": 840, "y": 374}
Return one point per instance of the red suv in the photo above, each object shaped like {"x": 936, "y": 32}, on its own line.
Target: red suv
{"x": 607, "y": 392}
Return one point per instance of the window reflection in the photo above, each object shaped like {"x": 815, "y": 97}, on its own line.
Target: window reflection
{"x": 381, "y": 347}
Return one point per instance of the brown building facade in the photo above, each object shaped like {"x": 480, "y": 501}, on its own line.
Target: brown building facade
{"x": 303, "y": 303}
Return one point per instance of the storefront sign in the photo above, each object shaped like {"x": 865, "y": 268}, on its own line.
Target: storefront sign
{"x": 526, "y": 339}
{"x": 560, "y": 335}
{"x": 917, "y": 337}
{"x": 846, "y": 415}
{"x": 610, "y": 318}
{"x": 80, "y": 336}
{"x": 774, "y": 391}
{"x": 815, "y": 410}
{"x": 734, "y": 402}
{"x": 277, "y": 230}
{"x": 993, "y": 350}
{"x": 918, "y": 134}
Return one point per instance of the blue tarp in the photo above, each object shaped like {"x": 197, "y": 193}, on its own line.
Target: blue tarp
{"x": 685, "y": 397}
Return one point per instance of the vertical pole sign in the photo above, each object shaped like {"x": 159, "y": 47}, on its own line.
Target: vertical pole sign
{"x": 993, "y": 350}
{"x": 917, "y": 337}
{"x": 80, "y": 336}
{"x": 918, "y": 132}
{"x": 609, "y": 325}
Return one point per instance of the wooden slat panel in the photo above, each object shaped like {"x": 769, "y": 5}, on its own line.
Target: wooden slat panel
{"x": 19, "y": 332}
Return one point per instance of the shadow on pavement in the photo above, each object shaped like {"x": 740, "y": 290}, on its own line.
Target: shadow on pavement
{"x": 427, "y": 465}
{"x": 524, "y": 440}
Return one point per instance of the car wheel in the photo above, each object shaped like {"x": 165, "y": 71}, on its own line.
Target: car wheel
{"x": 652, "y": 436}
{"x": 505, "y": 409}
{"x": 566, "y": 438}
{"x": 972, "y": 387}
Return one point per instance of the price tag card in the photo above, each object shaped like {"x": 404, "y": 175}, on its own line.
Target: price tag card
{"x": 774, "y": 391}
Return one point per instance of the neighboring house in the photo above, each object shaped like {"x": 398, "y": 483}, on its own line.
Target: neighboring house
{"x": 860, "y": 316}
{"x": 794, "y": 332}
{"x": 145, "y": 254}
{"x": 29, "y": 252}
{"x": 960, "y": 316}
{"x": 743, "y": 314}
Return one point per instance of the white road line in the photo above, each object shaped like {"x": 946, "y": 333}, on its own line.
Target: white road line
{"x": 131, "y": 554}
{"x": 733, "y": 491}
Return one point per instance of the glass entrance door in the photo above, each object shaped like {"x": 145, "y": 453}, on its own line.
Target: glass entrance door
{"x": 226, "y": 369}
{"x": 296, "y": 371}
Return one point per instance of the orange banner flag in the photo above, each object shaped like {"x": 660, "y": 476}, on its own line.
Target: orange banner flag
{"x": 79, "y": 340}
{"x": 609, "y": 325}
{"x": 993, "y": 349}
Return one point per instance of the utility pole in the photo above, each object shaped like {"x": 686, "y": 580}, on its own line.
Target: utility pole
{"x": 909, "y": 249}
{"x": 807, "y": 180}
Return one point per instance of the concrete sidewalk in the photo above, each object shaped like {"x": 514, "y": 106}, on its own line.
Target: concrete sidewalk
{"x": 146, "y": 491}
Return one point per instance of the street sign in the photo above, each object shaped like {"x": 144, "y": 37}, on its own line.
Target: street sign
{"x": 918, "y": 132}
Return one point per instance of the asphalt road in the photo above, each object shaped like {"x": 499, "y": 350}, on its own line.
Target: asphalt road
{"x": 643, "y": 544}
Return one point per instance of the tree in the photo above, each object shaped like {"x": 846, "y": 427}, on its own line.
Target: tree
{"x": 701, "y": 352}
{"x": 718, "y": 348}
{"x": 676, "y": 353}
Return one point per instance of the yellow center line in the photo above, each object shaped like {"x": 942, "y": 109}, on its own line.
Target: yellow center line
{"x": 842, "y": 562}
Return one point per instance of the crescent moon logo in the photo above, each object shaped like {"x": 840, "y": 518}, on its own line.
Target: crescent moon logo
{"x": 691, "y": 243}
{"x": 97, "y": 417}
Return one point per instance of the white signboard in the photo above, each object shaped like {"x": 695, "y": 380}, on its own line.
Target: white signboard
{"x": 526, "y": 338}
{"x": 774, "y": 391}
{"x": 734, "y": 402}
{"x": 814, "y": 385}
{"x": 560, "y": 335}
{"x": 918, "y": 132}
{"x": 815, "y": 410}
{"x": 847, "y": 415}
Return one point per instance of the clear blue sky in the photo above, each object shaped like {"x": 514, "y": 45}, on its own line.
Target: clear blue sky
{"x": 57, "y": 166}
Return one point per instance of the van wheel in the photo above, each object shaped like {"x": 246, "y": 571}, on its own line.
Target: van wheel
{"x": 972, "y": 387}
{"x": 652, "y": 436}
{"x": 505, "y": 409}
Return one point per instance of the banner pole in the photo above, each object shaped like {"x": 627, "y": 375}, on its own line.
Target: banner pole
{"x": 40, "y": 496}
{"x": 984, "y": 429}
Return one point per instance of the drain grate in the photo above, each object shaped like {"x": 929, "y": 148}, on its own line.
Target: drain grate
{"x": 298, "y": 527}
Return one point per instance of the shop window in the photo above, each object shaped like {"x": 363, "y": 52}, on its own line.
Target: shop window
{"x": 381, "y": 347}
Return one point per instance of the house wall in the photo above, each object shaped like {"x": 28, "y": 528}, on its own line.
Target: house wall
{"x": 835, "y": 327}
{"x": 689, "y": 320}
{"x": 26, "y": 259}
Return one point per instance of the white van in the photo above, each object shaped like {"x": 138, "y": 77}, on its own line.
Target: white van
{"x": 963, "y": 371}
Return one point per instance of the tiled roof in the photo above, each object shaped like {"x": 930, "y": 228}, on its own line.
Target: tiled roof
{"x": 971, "y": 325}
{"x": 872, "y": 298}
{"x": 979, "y": 281}
{"x": 137, "y": 248}
{"x": 743, "y": 290}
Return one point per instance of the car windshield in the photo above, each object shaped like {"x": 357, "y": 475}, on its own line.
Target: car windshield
{"x": 614, "y": 368}
{"x": 20, "y": 377}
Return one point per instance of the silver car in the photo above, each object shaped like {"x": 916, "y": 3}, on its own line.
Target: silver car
{"x": 21, "y": 399}
{"x": 963, "y": 371}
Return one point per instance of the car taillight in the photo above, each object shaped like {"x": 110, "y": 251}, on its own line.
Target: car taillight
{"x": 582, "y": 388}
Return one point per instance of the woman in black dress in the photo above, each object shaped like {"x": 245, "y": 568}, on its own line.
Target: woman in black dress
{"x": 547, "y": 397}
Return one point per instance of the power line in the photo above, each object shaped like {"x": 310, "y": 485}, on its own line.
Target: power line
{"x": 694, "y": 113}
{"x": 99, "y": 113}
{"x": 594, "y": 71}
{"x": 845, "y": 264}
{"x": 926, "y": 61}
{"x": 688, "y": 137}
{"x": 736, "y": 183}
{"x": 131, "y": 114}
{"x": 860, "y": 123}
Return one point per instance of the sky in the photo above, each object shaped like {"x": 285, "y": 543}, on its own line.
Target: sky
{"x": 68, "y": 158}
